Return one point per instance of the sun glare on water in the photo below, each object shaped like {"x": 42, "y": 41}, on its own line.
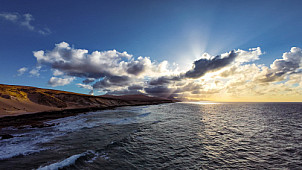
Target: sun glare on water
{"x": 202, "y": 102}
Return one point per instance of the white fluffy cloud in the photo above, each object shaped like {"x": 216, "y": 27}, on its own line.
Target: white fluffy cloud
{"x": 24, "y": 20}
{"x": 35, "y": 71}
{"x": 85, "y": 86}
{"x": 21, "y": 71}
{"x": 56, "y": 81}
{"x": 230, "y": 74}
{"x": 108, "y": 68}
{"x": 291, "y": 63}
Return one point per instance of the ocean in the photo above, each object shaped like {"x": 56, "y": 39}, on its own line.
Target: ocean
{"x": 167, "y": 136}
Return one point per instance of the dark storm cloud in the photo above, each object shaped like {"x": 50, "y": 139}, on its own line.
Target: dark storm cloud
{"x": 132, "y": 89}
{"x": 200, "y": 68}
{"x": 159, "y": 86}
{"x": 123, "y": 92}
{"x": 88, "y": 80}
{"x": 164, "y": 80}
{"x": 82, "y": 70}
{"x": 203, "y": 66}
{"x": 112, "y": 81}
{"x": 135, "y": 87}
{"x": 135, "y": 68}
{"x": 159, "y": 91}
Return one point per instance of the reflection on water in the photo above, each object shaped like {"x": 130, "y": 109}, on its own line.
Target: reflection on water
{"x": 168, "y": 136}
{"x": 201, "y": 102}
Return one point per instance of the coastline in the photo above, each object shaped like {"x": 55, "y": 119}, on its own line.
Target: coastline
{"x": 37, "y": 119}
{"x": 25, "y": 106}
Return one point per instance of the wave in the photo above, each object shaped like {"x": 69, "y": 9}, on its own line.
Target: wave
{"x": 91, "y": 155}
{"x": 18, "y": 151}
{"x": 23, "y": 144}
{"x": 28, "y": 140}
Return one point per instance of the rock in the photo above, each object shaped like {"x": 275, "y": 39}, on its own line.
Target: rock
{"x": 5, "y": 96}
{"x": 6, "y": 136}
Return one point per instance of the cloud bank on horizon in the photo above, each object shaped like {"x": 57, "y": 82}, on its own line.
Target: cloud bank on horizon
{"x": 231, "y": 76}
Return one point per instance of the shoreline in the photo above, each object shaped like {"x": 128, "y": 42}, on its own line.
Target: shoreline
{"x": 25, "y": 106}
{"x": 37, "y": 119}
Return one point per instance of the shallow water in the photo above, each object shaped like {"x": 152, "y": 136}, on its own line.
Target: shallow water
{"x": 167, "y": 136}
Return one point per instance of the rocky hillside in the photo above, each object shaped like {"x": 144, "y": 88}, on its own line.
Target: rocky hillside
{"x": 18, "y": 100}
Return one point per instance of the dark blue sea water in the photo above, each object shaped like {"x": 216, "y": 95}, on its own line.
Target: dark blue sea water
{"x": 167, "y": 136}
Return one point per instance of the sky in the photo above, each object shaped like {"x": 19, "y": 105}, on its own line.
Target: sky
{"x": 228, "y": 50}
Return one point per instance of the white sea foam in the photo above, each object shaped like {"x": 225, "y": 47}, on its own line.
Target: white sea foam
{"x": 29, "y": 140}
{"x": 96, "y": 155}
{"x": 26, "y": 141}
{"x": 66, "y": 162}
{"x": 104, "y": 156}
{"x": 69, "y": 161}
{"x": 16, "y": 150}
{"x": 23, "y": 144}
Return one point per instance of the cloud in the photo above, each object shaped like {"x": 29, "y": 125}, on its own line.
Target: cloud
{"x": 27, "y": 18}
{"x": 44, "y": 31}
{"x": 24, "y": 20}
{"x": 165, "y": 80}
{"x": 189, "y": 87}
{"x": 126, "y": 90}
{"x": 77, "y": 62}
{"x": 108, "y": 68}
{"x": 55, "y": 81}
{"x": 88, "y": 80}
{"x": 57, "y": 73}
{"x": 35, "y": 71}
{"x": 209, "y": 64}
{"x": 290, "y": 63}
{"x": 111, "y": 81}
{"x": 13, "y": 17}
{"x": 138, "y": 66}
{"x": 135, "y": 87}
{"x": 123, "y": 92}
{"x": 80, "y": 63}
{"x": 230, "y": 75}
{"x": 85, "y": 86}
{"x": 91, "y": 92}
{"x": 202, "y": 66}
{"x": 160, "y": 91}
{"x": 21, "y": 71}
